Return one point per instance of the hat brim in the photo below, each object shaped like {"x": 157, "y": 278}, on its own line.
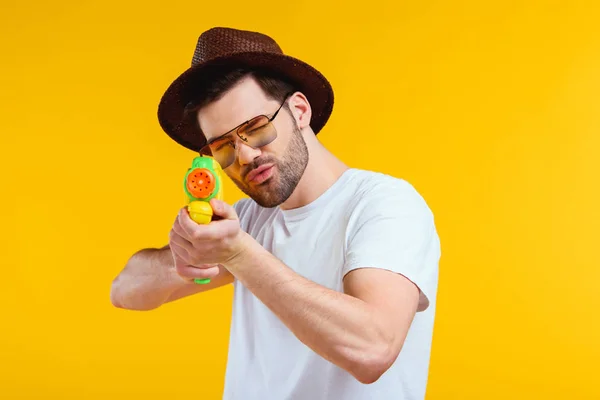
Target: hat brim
{"x": 306, "y": 79}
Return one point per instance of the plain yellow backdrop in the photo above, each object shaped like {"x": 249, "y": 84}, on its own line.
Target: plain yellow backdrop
{"x": 491, "y": 109}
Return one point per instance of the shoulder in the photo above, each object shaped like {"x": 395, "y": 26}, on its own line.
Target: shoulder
{"x": 390, "y": 226}
{"x": 251, "y": 213}
{"x": 381, "y": 193}
{"x": 243, "y": 206}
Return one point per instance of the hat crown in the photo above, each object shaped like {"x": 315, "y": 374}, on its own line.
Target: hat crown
{"x": 218, "y": 42}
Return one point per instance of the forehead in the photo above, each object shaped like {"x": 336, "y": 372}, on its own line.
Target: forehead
{"x": 244, "y": 101}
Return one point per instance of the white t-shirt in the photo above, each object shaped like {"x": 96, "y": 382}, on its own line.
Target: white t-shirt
{"x": 365, "y": 219}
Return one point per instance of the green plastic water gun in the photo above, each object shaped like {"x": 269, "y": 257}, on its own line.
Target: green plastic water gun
{"x": 203, "y": 182}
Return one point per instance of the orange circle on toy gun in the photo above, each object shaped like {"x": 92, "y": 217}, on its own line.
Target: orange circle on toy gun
{"x": 201, "y": 183}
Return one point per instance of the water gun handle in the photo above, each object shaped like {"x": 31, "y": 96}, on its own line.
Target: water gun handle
{"x": 203, "y": 182}
{"x": 200, "y": 212}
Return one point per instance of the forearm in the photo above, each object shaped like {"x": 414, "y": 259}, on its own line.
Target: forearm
{"x": 147, "y": 281}
{"x": 342, "y": 329}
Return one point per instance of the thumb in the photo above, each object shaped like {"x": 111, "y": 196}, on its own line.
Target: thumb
{"x": 223, "y": 210}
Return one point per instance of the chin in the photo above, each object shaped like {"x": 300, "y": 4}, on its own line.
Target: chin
{"x": 267, "y": 194}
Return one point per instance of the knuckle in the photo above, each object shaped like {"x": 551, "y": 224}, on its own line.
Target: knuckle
{"x": 232, "y": 233}
{"x": 212, "y": 235}
{"x": 197, "y": 235}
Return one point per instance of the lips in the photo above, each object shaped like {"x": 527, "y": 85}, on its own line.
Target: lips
{"x": 257, "y": 171}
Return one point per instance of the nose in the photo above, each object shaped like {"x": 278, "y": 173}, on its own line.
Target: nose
{"x": 245, "y": 153}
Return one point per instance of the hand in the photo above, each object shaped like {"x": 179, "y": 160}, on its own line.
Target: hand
{"x": 199, "y": 249}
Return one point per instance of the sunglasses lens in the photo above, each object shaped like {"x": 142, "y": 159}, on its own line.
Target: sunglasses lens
{"x": 258, "y": 132}
{"x": 222, "y": 152}
{"x": 225, "y": 156}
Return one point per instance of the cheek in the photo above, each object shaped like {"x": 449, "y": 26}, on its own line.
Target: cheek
{"x": 276, "y": 148}
{"x": 233, "y": 172}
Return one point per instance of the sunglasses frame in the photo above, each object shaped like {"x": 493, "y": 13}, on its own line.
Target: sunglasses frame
{"x": 206, "y": 148}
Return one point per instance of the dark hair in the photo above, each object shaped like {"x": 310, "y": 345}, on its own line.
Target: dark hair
{"x": 218, "y": 80}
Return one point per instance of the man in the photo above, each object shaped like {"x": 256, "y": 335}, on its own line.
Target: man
{"x": 334, "y": 268}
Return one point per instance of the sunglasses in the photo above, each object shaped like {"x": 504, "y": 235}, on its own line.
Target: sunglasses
{"x": 256, "y": 132}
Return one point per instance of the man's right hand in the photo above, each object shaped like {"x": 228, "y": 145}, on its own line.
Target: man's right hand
{"x": 150, "y": 279}
{"x": 178, "y": 243}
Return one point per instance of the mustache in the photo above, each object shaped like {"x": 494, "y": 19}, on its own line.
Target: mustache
{"x": 255, "y": 164}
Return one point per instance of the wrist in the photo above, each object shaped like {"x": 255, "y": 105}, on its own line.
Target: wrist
{"x": 247, "y": 247}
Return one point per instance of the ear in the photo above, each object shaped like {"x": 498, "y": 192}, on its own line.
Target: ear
{"x": 300, "y": 109}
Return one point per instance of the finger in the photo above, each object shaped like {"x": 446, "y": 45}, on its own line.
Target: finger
{"x": 215, "y": 230}
{"x": 180, "y": 231}
{"x": 187, "y": 271}
{"x": 178, "y": 261}
{"x": 206, "y": 266}
{"x": 189, "y": 226}
{"x": 221, "y": 229}
{"x": 177, "y": 239}
{"x": 196, "y": 231}
{"x": 223, "y": 209}
{"x": 177, "y": 258}
{"x": 179, "y": 252}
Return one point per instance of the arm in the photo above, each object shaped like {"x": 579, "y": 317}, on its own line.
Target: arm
{"x": 150, "y": 279}
{"x": 361, "y": 330}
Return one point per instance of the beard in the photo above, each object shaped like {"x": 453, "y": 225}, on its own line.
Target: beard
{"x": 287, "y": 172}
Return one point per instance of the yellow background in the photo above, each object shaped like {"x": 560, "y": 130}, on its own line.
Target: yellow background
{"x": 491, "y": 109}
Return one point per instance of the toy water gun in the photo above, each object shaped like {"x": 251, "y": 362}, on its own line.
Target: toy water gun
{"x": 203, "y": 182}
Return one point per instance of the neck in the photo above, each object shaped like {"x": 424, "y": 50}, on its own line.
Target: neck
{"x": 322, "y": 170}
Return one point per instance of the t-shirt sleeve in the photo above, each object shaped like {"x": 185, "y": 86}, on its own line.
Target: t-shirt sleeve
{"x": 392, "y": 228}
